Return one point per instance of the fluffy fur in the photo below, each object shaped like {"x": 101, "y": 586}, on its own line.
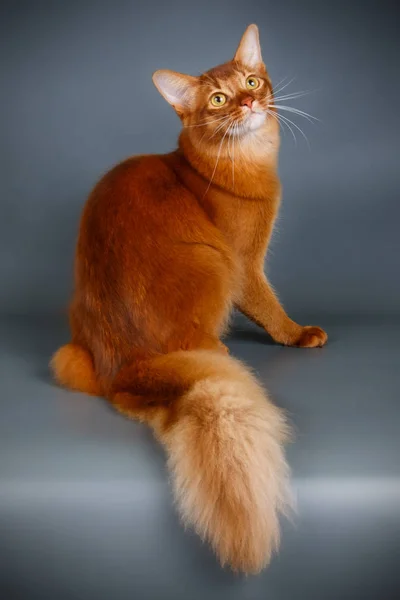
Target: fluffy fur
{"x": 168, "y": 244}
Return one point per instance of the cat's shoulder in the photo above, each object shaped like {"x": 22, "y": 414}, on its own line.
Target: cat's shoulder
{"x": 133, "y": 166}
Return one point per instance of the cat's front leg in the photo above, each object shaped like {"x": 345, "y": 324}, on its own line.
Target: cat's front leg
{"x": 259, "y": 302}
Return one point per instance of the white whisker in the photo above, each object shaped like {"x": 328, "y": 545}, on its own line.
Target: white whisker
{"x": 285, "y": 86}
{"x": 239, "y": 129}
{"x": 216, "y": 162}
{"x": 233, "y": 157}
{"x": 292, "y": 96}
{"x": 296, "y": 111}
{"x": 297, "y": 127}
{"x": 280, "y": 82}
{"x": 205, "y": 123}
{"x": 272, "y": 114}
{"x": 281, "y": 121}
{"x": 221, "y": 126}
{"x": 222, "y": 123}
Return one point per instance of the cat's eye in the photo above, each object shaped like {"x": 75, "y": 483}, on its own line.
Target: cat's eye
{"x": 218, "y": 99}
{"x": 252, "y": 83}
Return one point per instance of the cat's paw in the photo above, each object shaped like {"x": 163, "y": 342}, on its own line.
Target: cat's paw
{"x": 311, "y": 337}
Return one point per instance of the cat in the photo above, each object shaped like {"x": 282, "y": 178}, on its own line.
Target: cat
{"x": 168, "y": 245}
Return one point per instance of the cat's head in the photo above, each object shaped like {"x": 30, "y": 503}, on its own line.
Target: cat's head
{"x": 233, "y": 99}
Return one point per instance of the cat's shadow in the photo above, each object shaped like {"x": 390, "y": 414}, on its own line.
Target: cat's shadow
{"x": 250, "y": 335}
{"x": 242, "y": 330}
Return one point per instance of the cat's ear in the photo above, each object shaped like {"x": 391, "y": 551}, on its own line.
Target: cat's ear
{"x": 249, "y": 49}
{"x": 177, "y": 89}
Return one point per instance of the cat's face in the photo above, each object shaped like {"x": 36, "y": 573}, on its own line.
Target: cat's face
{"x": 232, "y": 94}
{"x": 232, "y": 99}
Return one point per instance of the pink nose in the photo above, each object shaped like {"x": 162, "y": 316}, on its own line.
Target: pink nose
{"x": 248, "y": 101}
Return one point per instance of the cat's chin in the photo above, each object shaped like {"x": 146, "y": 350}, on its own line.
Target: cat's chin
{"x": 251, "y": 123}
{"x": 254, "y": 121}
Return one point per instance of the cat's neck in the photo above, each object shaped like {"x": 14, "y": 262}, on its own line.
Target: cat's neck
{"x": 242, "y": 167}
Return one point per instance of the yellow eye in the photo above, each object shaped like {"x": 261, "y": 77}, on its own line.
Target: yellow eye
{"x": 252, "y": 83}
{"x": 218, "y": 99}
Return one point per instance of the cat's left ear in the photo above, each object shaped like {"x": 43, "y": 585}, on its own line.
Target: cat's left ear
{"x": 249, "y": 50}
{"x": 177, "y": 89}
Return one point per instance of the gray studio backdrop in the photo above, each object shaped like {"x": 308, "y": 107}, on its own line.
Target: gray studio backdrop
{"x": 85, "y": 507}
{"x": 77, "y": 97}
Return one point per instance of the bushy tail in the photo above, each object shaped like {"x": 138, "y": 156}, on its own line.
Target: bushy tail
{"x": 225, "y": 451}
{"x": 224, "y": 439}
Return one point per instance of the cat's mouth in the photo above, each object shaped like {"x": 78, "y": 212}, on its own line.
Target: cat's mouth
{"x": 251, "y": 120}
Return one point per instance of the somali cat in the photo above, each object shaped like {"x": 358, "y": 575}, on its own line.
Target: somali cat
{"x": 168, "y": 245}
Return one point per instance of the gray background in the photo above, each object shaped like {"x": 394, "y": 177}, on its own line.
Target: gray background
{"x": 85, "y": 509}
{"x": 78, "y": 97}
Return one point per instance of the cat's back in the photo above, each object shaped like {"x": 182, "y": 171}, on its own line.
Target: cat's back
{"x": 140, "y": 192}
{"x": 142, "y": 202}
{"x": 136, "y": 180}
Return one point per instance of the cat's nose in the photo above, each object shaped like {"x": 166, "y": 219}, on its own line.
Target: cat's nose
{"x": 248, "y": 101}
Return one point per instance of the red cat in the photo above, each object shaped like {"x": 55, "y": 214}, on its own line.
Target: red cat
{"x": 168, "y": 245}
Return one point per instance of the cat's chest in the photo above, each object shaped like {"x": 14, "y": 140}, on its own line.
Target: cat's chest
{"x": 245, "y": 224}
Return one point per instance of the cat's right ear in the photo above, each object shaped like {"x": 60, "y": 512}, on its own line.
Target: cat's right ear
{"x": 177, "y": 89}
{"x": 249, "y": 50}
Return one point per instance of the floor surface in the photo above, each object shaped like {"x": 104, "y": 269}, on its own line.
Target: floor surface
{"x": 85, "y": 507}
